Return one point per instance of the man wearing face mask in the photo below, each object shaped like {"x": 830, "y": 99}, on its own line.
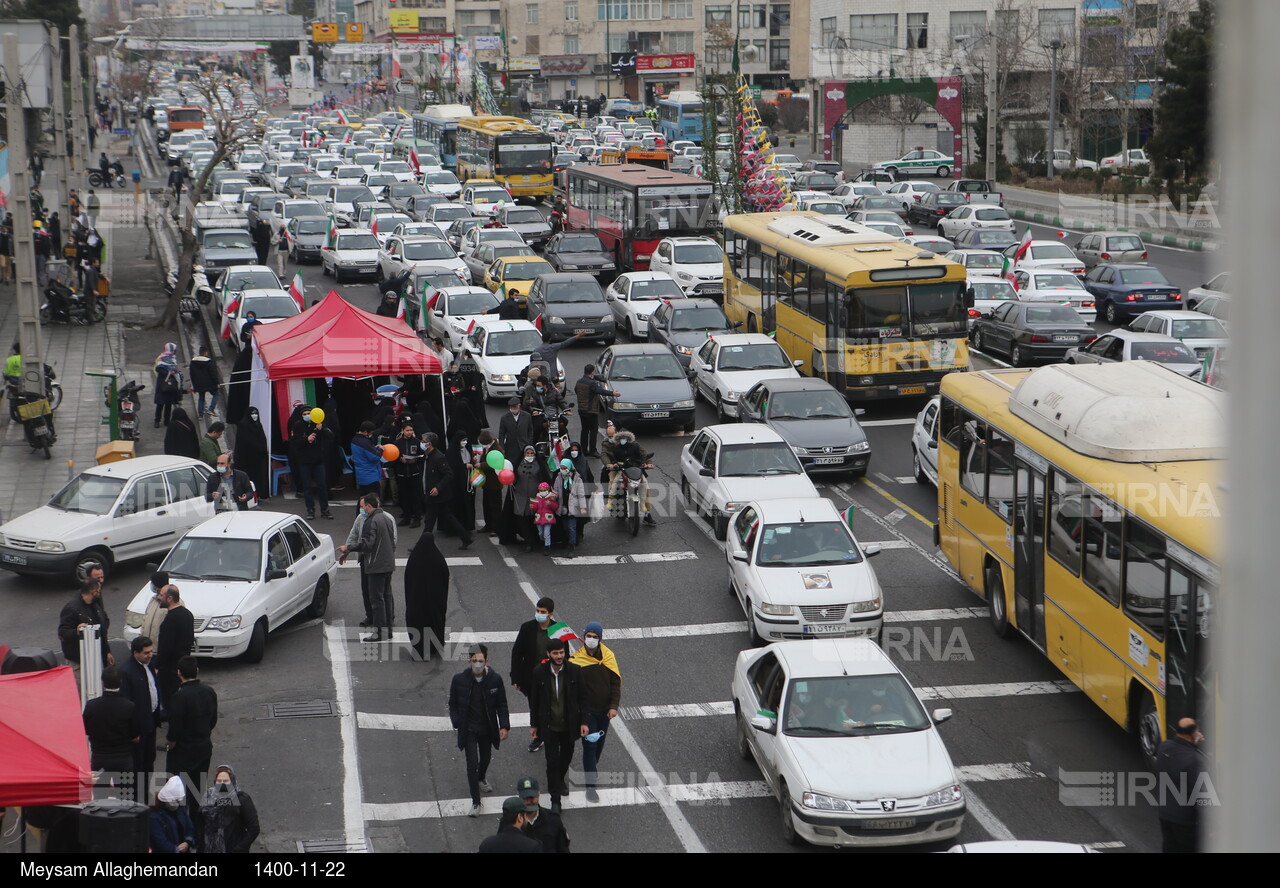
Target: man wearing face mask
{"x": 530, "y": 649}
{"x": 308, "y": 442}
{"x": 408, "y": 469}
{"x": 377, "y": 545}
{"x": 510, "y": 838}
{"x": 557, "y": 714}
{"x": 602, "y": 693}
{"x": 228, "y": 488}
{"x": 478, "y": 713}
{"x": 516, "y": 428}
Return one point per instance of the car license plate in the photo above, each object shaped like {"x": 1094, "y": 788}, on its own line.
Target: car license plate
{"x": 13, "y": 559}
{"x": 911, "y": 390}
{"x": 1064, "y": 337}
{"x": 824, "y": 629}
{"x": 828, "y": 460}
{"x": 656, "y": 414}
{"x": 713, "y": 289}
{"x": 585, "y": 330}
{"x": 896, "y": 823}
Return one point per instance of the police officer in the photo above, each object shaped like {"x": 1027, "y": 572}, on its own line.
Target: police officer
{"x": 541, "y": 823}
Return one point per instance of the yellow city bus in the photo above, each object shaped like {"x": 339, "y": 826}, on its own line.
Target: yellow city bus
{"x": 1084, "y": 503}
{"x": 507, "y": 149}
{"x": 658, "y": 158}
{"x": 875, "y": 317}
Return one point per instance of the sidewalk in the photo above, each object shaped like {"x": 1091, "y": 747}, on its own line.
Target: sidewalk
{"x": 1136, "y": 215}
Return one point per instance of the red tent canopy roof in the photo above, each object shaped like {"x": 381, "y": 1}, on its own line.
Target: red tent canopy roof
{"x": 44, "y": 755}
{"x": 334, "y": 338}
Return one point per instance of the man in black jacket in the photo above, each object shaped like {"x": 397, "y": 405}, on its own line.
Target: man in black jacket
{"x": 228, "y": 488}
{"x": 1185, "y": 786}
{"x": 508, "y": 309}
{"x": 591, "y": 394}
{"x": 110, "y": 723}
{"x": 308, "y": 441}
{"x": 138, "y": 683}
{"x": 408, "y": 469}
{"x": 516, "y": 428}
{"x": 542, "y": 823}
{"x": 557, "y": 714}
{"x": 437, "y": 480}
{"x": 193, "y": 714}
{"x": 175, "y": 640}
{"x": 478, "y": 713}
{"x": 85, "y": 609}
{"x": 510, "y": 838}
{"x": 206, "y": 379}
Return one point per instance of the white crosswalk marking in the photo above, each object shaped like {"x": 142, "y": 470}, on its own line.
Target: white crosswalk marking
{"x": 641, "y": 558}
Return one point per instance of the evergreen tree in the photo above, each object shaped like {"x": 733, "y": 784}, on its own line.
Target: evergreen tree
{"x": 1182, "y": 111}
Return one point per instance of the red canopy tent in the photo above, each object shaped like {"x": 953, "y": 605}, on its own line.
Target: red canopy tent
{"x": 44, "y": 756}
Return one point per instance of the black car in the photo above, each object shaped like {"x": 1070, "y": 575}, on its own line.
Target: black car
{"x": 933, "y": 206}
{"x": 814, "y": 419}
{"x": 684, "y": 324}
{"x": 579, "y": 251}
{"x": 825, "y": 166}
{"x": 563, "y": 161}
{"x": 569, "y": 304}
{"x": 995, "y": 239}
{"x": 1031, "y": 333}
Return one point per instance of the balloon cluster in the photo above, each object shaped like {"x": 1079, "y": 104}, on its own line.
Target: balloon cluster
{"x": 501, "y": 465}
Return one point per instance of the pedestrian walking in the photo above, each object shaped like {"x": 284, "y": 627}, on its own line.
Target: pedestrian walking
{"x": 542, "y": 824}
{"x": 366, "y": 458}
{"x": 181, "y": 437}
{"x": 228, "y": 488}
{"x": 408, "y": 472}
{"x": 37, "y": 167}
{"x": 282, "y": 249}
{"x": 55, "y": 233}
{"x": 206, "y": 379}
{"x": 357, "y": 527}
{"x": 510, "y": 838}
{"x": 591, "y": 393}
{"x": 307, "y": 442}
{"x": 491, "y": 489}
{"x": 602, "y": 694}
{"x": 110, "y": 723}
{"x": 261, "y": 235}
{"x": 557, "y": 714}
{"x": 176, "y": 181}
{"x": 543, "y": 507}
{"x": 378, "y": 543}
{"x": 92, "y": 207}
{"x": 515, "y": 430}
{"x": 1184, "y": 788}
{"x": 168, "y": 383}
{"x": 171, "y": 828}
{"x": 138, "y": 683}
{"x": 43, "y": 249}
{"x": 478, "y": 713}
{"x": 251, "y": 453}
{"x": 86, "y": 609}
{"x": 426, "y": 596}
{"x": 229, "y": 818}
{"x": 6, "y": 254}
{"x": 210, "y": 444}
{"x": 193, "y": 714}
{"x": 573, "y": 507}
{"x": 438, "y": 480}
{"x": 175, "y": 639}
{"x": 530, "y": 473}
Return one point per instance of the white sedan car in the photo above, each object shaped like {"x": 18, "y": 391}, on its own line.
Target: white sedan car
{"x": 797, "y": 571}
{"x": 727, "y": 466}
{"x": 400, "y": 253}
{"x": 1051, "y": 255}
{"x": 910, "y": 191}
{"x": 501, "y": 350}
{"x": 242, "y": 575}
{"x": 978, "y": 261}
{"x": 975, "y": 216}
{"x": 267, "y": 306}
{"x": 441, "y": 182}
{"x": 988, "y": 292}
{"x": 355, "y": 254}
{"x": 726, "y": 367}
{"x": 635, "y": 295}
{"x": 924, "y": 443}
{"x": 485, "y": 200}
{"x": 845, "y": 745}
{"x": 1047, "y": 285}
{"x": 452, "y": 310}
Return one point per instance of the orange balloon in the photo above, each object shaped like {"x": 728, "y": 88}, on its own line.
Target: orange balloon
{"x": 390, "y": 452}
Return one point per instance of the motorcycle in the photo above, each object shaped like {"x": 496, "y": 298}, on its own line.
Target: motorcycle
{"x": 115, "y": 179}
{"x": 52, "y": 392}
{"x": 67, "y": 306}
{"x": 36, "y": 416}
{"x": 629, "y": 484}
{"x": 127, "y": 409}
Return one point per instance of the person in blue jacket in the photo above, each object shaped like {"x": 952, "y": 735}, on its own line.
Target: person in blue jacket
{"x": 171, "y": 829}
{"x": 366, "y": 458}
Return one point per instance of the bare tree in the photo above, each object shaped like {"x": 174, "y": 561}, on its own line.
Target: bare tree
{"x": 223, "y": 97}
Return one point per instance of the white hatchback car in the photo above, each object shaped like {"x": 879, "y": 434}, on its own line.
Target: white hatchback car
{"x": 354, "y": 254}
{"x": 696, "y": 264}
{"x": 726, "y": 367}
{"x": 924, "y": 443}
{"x": 423, "y": 251}
{"x": 797, "y": 571}
{"x": 976, "y": 216}
{"x": 452, "y": 310}
{"x": 243, "y": 574}
{"x": 634, "y": 295}
{"x": 845, "y": 745}
{"x": 485, "y": 200}
{"x": 727, "y": 466}
{"x": 501, "y": 350}
{"x": 109, "y": 513}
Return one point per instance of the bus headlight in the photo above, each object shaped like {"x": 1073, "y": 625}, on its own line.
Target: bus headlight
{"x": 866, "y": 380}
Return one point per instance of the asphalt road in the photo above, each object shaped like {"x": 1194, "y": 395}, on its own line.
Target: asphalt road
{"x": 382, "y": 771}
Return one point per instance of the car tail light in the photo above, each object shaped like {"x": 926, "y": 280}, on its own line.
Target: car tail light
{"x": 1079, "y": 270}
{"x": 1177, "y": 297}
{"x": 1106, "y": 256}
{"x": 910, "y": 233}
{"x": 1088, "y": 338}
{"x": 1133, "y": 297}
{"x": 1144, "y": 254}
{"x": 1087, "y": 305}
{"x": 917, "y": 197}
{"x": 1036, "y": 337}
{"x": 974, "y": 313}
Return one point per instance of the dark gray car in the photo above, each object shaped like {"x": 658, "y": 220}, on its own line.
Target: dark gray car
{"x": 569, "y": 304}
{"x": 651, "y": 385}
{"x": 307, "y": 235}
{"x": 528, "y": 221}
{"x": 579, "y": 251}
{"x": 814, "y": 419}
{"x": 684, "y": 324}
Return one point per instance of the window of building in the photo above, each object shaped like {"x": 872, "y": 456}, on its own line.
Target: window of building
{"x": 780, "y": 20}
{"x": 434, "y": 24}
{"x": 571, "y": 11}
{"x": 1101, "y": 47}
{"x": 719, "y": 55}
{"x": 827, "y": 27}
{"x": 879, "y": 31}
{"x": 679, "y": 9}
{"x": 968, "y": 24}
{"x": 613, "y": 11}
{"x": 1057, "y": 24}
{"x": 917, "y": 31}
{"x": 744, "y": 16}
{"x": 646, "y": 10}
{"x": 1146, "y": 15}
{"x": 618, "y": 42}
{"x": 718, "y": 15}
{"x": 779, "y": 55}
{"x": 570, "y": 43}
{"x": 759, "y": 16}
{"x": 1144, "y": 576}
{"x": 495, "y": 17}
{"x": 531, "y": 13}
{"x": 533, "y": 44}
{"x": 466, "y": 17}
{"x": 1008, "y": 26}
{"x": 680, "y": 41}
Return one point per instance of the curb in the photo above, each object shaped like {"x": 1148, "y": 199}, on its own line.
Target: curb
{"x": 1151, "y": 238}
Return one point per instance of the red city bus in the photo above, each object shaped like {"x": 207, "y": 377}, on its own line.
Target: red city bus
{"x": 185, "y": 117}
{"x": 632, "y": 207}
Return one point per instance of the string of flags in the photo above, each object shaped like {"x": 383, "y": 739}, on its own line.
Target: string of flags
{"x": 768, "y": 189}
{"x": 485, "y": 100}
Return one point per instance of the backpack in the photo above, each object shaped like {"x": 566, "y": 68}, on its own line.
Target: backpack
{"x": 171, "y": 384}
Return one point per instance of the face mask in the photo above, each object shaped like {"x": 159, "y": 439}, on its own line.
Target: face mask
{"x": 222, "y": 470}
{"x": 306, "y": 417}
{"x": 573, "y": 454}
{"x": 541, "y": 618}
{"x": 528, "y": 459}
{"x": 477, "y": 669}
{"x": 592, "y": 643}
{"x": 563, "y": 470}
{"x": 172, "y": 806}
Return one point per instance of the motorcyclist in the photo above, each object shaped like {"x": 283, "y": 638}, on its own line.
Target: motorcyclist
{"x": 104, "y": 167}
{"x": 544, "y": 358}
{"x": 13, "y": 366}
{"x": 627, "y": 454}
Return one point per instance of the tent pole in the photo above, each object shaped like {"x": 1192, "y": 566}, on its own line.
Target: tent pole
{"x": 444, "y": 408}
{"x": 22, "y": 830}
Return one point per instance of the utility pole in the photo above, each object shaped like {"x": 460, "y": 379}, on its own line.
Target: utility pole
{"x": 24, "y": 253}
{"x": 993, "y": 59}
{"x": 62, "y": 161}
{"x": 1054, "y": 45}
{"x": 79, "y": 123}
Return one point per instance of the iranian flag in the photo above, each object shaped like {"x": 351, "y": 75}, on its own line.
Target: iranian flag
{"x": 227, "y": 316}
{"x": 296, "y": 290}
{"x": 1007, "y": 267}
{"x": 413, "y": 161}
{"x": 342, "y": 118}
{"x": 562, "y": 631}
{"x": 332, "y": 239}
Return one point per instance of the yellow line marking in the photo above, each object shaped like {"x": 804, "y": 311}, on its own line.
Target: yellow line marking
{"x": 897, "y": 502}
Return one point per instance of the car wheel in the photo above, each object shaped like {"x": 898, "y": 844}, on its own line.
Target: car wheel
{"x": 89, "y": 557}
{"x": 720, "y": 525}
{"x": 608, "y": 341}
{"x": 687, "y": 495}
{"x": 631, "y": 331}
{"x": 1113, "y": 314}
{"x": 789, "y": 833}
{"x": 757, "y": 640}
{"x": 752, "y": 325}
{"x": 1147, "y": 726}
{"x": 381, "y": 276}
{"x": 324, "y": 269}
{"x": 978, "y": 341}
{"x": 995, "y": 602}
{"x": 319, "y": 600}
{"x": 484, "y": 391}
{"x": 943, "y": 172}
{"x": 257, "y": 642}
{"x": 1017, "y": 357}
{"x": 721, "y": 415}
{"x": 916, "y": 468}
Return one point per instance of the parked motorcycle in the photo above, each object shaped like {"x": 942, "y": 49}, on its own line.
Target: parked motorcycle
{"x": 64, "y": 304}
{"x": 127, "y": 409}
{"x": 36, "y": 416}
{"x": 114, "y": 180}
{"x": 52, "y": 392}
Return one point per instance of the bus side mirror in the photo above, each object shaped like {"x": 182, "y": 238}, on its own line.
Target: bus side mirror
{"x": 968, "y": 298}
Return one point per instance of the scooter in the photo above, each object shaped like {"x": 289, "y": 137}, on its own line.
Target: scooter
{"x": 127, "y": 410}
{"x": 52, "y": 392}
{"x": 114, "y": 180}
{"x": 36, "y": 416}
{"x": 65, "y": 305}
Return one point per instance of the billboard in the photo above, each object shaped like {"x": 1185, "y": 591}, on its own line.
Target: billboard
{"x": 664, "y": 64}
{"x": 303, "y": 72}
{"x": 324, "y": 32}
{"x": 403, "y": 21}
{"x": 488, "y": 42}
{"x": 566, "y": 65}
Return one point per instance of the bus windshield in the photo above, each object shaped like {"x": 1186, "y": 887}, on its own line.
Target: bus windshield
{"x": 919, "y": 311}
{"x": 524, "y": 157}
{"x": 673, "y": 214}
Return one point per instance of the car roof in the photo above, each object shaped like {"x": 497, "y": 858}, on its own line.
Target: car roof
{"x": 677, "y": 304}
{"x": 1140, "y": 335}
{"x": 744, "y": 339}
{"x": 250, "y": 525}
{"x": 690, "y": 240}
{"x": 744, "y": 433}
{"x": 1114, "y": 234}
{"x": 1131, "y": 266}
{"x": 503, "y": 326}
{"x": 796, "y": 510}
{"x": 824, "y": 657}
{"x": 646, "y": 276}
{"x": 792, "y": 384}
{"x": 142, "y": 465}
{"x": 1176, "y": 314}
{"x": 639, "y": 348}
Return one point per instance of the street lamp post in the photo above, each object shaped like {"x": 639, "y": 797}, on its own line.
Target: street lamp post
{"x": 1054, "y": 45}
{"x": 991, "y": 97}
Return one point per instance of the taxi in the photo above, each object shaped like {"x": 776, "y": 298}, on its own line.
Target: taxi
{"x": 517, "y": 272}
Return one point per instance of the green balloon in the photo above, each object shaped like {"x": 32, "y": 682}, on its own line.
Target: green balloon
{"x": 495, "y": 460}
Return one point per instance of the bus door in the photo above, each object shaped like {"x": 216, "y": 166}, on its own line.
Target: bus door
{"x": 1028, "y": 544}
{"x": 1188, "y": 681}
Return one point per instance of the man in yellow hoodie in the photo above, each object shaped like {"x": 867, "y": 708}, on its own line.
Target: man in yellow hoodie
{"x": 602, "y": 692}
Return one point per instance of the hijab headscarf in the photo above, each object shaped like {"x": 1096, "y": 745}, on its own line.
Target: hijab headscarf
{"x": 180, "y": 439}
{"x": 426, "y": 593}
{"x": 220, "y": 808}
{"x": 251, "y": 450}
{"x": 169, "y": 355}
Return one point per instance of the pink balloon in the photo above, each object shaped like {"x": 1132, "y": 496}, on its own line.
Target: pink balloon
{"x": 506, "y": 477}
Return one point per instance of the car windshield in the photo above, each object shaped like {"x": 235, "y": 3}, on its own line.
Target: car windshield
{"x": 754, "y": 460}
{"x": 1124, "y": 242}
{"x": 876, "y": 203}
{"x": 526, "y": 271}
{"x": 1206, "y": 328}
{"x": 1143, "y": 276}
{"x": 888, "y": 228}
{"x": 214, "y": 558}
{"x": 867, "y": 218}
{"x": 379, "y": 179}
{"x": 852, "y": 706}
{"x": 499, "y": 236}
{"x": 950, "y": 200}
{"x": 325, "y": 164}
{"x": 991, "y": 215}
{"x": 318, "y": 189}
{"x": 575, "y": 292}
{"x": 808, "y": 544}
{"x": 1162, "y": 352}
{"x": 429, "y": 250}
{"x": 405, "y": 189}
{"x": 270, "y": 306}
{"x": 349, "y": 172}
{"x": 655, "y": 289}
{"x": 393, "y": 166}
{"x": 703, "y": 318}
{"x": 1053, "y": 314}
{"x": 233, "y": 186}
{"x": 227, "y": 241}
{"x": 439, "y": 279}
{"x": 472, "y": 303}
{"x": 763, "y": 356}
{"x": 360, "y": 241}
{"x": 808, "y": 405}
{"x": 1057, "y": 282}
{"x": 523, "y": 216}
{"x": 447, "y": 213}
{"x": 88, "y": 493}
{"x": 827, "y": 207}
{"x": 440, "y": 177}
{"x": 513, "y": 342}
{"x": 252, "y": 280}
{"x": 1052, "y": 251}
{"x": 664, "y": 366}
{"x": 490, "y": 195}
{"x": 993, "y": 290}
{"x": 352, "y": 194}
{"x": 367, "y": 159}
{"x": 501, "y": 251}
{"x": 428, "y": 160}
{"x": 989, "y": 237}
{"x": 580, "y": 243}
{"x": 983, "y": 260}
{"x": 815, "y": 179}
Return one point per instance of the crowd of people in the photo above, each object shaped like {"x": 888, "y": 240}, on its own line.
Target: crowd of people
{"x": 82, "y": 246}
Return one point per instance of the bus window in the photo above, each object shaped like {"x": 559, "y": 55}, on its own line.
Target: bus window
{"x": 1100, "y": 531}
{"x": 973, "y": 455}
{"x": 768, "y": 279}
{"x": 1065, "y": 522}
{"x": 786, "y": 287}
{"x": 816, "y": 284}
{"x": 949, "y": 429}
{"x": 878, "y": 313}
{"x": 1000, "y": 486}
{"x": 836, "y": 309}
{"x": 1144, "y": 580}
{"x": 754, "y": 266}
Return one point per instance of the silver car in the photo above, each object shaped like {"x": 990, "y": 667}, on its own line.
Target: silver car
{"x": 1111, "y": 247}
{"x": 1132, "y": 345}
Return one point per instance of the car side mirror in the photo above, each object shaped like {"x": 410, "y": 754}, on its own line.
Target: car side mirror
{"x": 276, "y": 574}
{"x": 941, "y": 715}
{"x": 764, "y": 724}
{"x": 871, "y": 550}
{"x": 706, "y": 473}
{"x": 740, "y": 556}
{"x": 737, "y": 324}
{"x": 933, "y": 445}
{"x": 152, "y": 566}
{"x": 858, "y": 411}
{"x": 797, "y": 364}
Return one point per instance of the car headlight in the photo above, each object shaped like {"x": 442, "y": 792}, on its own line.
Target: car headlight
{"x": 604, "y": 319}
{"x": 861, "y": 447}
{"x": 133, "y": 619}
{"x": 567, "y": 267}
{"x": 3, "y": 540}
{"x": 684, "y": 276}
{"x": 733, "y": 507}
{"x": 863, "y": 607}
{"x": 820, "y": 802}
{"x": 623, "y": 405}
{"x": 223, "y": 624}
{"x": 683, "y": 405}
{"x": 500, "y": 377}
{"x": 50, "y": 546}
{"x": 948, "y": 795}
{"x": 777, "y": 610}
{"x": 684, "y": 351}
{"x": 642, "y": 317}
{"x": 552, "y": 319}
{"x": 608, "y": 266}
{"x": 731, "y": 396}
{"x": 866, "y": 380}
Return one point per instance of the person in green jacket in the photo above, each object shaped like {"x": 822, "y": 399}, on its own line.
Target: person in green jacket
{"x": 210, "y": 447}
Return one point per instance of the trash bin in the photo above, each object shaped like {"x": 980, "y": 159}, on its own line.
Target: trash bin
{"x": 114, "y": 451}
